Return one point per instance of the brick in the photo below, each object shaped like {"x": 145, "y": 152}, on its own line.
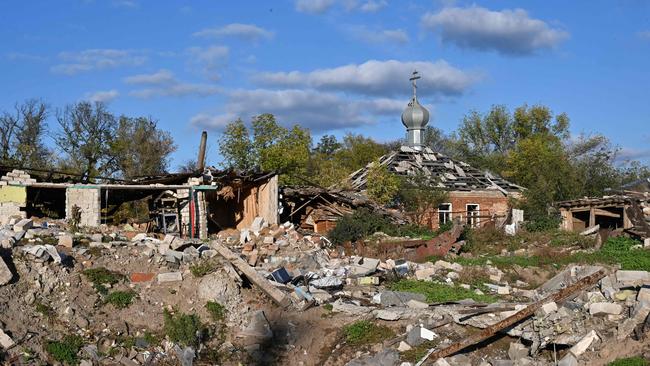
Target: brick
{"x": 142, "y": 277}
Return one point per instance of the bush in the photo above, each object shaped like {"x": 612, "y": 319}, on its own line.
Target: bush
{"x": 201, "y": 269}
{"x": 364, "y": 332}
{"x": 121, "y": 299}
{"x": 542, "y": 223}
{"x": 185, "y": 329}
{"x": 216, "y": 310}
{"x": 65, "y": 350}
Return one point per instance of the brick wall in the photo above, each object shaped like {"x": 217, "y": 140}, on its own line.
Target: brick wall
{"x": 491, "y": 204}
{"x": 13, "y": 194}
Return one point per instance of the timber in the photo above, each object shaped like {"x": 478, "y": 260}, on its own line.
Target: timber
{"x": 271, "y": 291}
{"x": 490, "y": 331}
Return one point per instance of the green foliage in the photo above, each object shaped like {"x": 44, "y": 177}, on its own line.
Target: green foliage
{"x": 120, "y": 299}
{"x": 201, "y": 269}
{"x": 364, "y": 332}
{"x": 101, "y": 275}
{"x": 542, "y": 223}
{"x": 235, "y": 146}
{"x": 630, "y": 361}
{"x": 382, "y": 185}
{"x": 419, "y": 195}
{"x": 65, "y": 350}
{"x": 185, "y": 329}
{"x": 216, "y": 310}
{"x": 22, "y": 134}
{"x": 41, "y": 308}
{"x": 438, "y": 292}
{"x": 415, "y": 354}
{"x": 328, "y": 307}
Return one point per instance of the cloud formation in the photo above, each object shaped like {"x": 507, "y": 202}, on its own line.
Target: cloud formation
{"x": 103, "y": 96}
{"x": 163, "y": 83}
{"x": 378, "y": 78}
{"x": 383, "y": 36}
{"x": 318, "y": 111}
{"x": 373, "y": 6}
{"x": 509, "y": 32}
{"x": 313, "y": 6}
{"x": 96, "y": 59}
{"x": 239, "y": 30}
{"x": 645, "y": 35}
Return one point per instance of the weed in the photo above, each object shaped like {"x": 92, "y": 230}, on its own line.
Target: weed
{"x": 438, "y": 292}
{"x": 328, "y": 307}
{"x": 363, "y": 332}
{"x": 120, "y": 299}
{"x": 185, "y": 329}
{"x": 95, "y": 251}
{"x": 43, "y": 309}
{"x": 152, "y": 338}
{"x": 475, "y": 277}
{"x": 65, "y": 350}
{"x": 216, "y": 310}
{"x": 201, "y": 269}
{"x": 416, "y": 353}
{"x": 101, "y": 275}
{"x": 630, "y": 361}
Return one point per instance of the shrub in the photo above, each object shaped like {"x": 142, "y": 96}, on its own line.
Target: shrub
{"x": 185, "y": 329}
{"x": 364, "y": 332}
{"x": 201, "y": 269}
{"x": 65, "y": 350}
{"x": 101, "y": 275}
{"x": 121, "y": 299}
{"x": 216, "y": 310}
{"x": 542, "y": 223}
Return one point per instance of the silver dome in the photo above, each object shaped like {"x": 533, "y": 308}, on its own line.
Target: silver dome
{"x": 415, "y": 116}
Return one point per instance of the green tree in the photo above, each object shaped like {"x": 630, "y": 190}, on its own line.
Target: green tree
{"x": 236, "y": 147}
{"x": 86, "y": 139}
{"x": 382, "y": 186}
{"x": 22, "y": 133}
{"x": 141, "y": 148}
{"x": 419, "y": 196}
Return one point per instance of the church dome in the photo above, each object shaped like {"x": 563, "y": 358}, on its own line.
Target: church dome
{"x": 415, "y": 116}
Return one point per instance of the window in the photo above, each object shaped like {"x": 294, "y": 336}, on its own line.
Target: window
{"x": 473, "y": 213}
{"x": 444, "y": 213}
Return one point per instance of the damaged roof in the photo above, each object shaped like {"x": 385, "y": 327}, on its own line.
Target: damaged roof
{"x": 450, "y": 174}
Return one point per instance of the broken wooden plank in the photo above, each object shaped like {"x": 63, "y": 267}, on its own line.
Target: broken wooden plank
{"x": 278, "y": 296}
{"x": 490, "y": 331}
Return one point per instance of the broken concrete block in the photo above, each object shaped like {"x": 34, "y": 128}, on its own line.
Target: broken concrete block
{"x": 170, "y": 277}
{"x": 327, "y": 282}
{"x": 517, "y": 351}
{"x": 424, "y": 273}
{"x": 389, "y": 315}
{"x": 66, "y": 240}
{"x": 644, "y": 296}
{"x": 364, "y": 266}
{"x": 632, "y": 278}
{"x": 366, "y": 281}
{"x": 139, "y": 237}
{"x": 403, "y": 347}
{"x": 5, "y": 273}
{"x": 396, "y": 298}
{"x": 419, "y": 335}
{"x": 415, "y": 304}
{"x": 503, "y": 290}
{"x": 23, "y": 225}
{"x": 568, "y": 360}
{"x": 549, "y": 307}
{"x": 5, "y": 341}
{"x": 258, "y": 224}
{"x": 604, "y": 308}
{"x": 583, "y": 345}
{"x": 441, "y": 362}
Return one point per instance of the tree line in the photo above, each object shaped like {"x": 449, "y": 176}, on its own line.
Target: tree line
{"x": 89, "y": 141}
{"x": 531, "y": 146}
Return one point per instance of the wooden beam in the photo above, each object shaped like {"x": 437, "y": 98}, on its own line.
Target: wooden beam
{"x": 490, "y": 331}
{"x": 601, "y": 212}
{"x": 592, "y": 217}
{"x": 274, "y": 293}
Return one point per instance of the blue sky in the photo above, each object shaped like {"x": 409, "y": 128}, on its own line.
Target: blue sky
{"x": 332, "y": 65}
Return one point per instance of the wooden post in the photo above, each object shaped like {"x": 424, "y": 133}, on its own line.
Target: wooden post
{"x": 592, "y": 216}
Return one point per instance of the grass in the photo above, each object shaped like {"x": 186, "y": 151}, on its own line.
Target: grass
{"x": 185, "y": 329}
{"x": 438, "y": 292}
{"x": 201, "y": 269}
{"x": 216, "y": 310}
{"x": 101, "y": 276}
{"x": 364, "y": 332}
{"x": 65, "y": 350}
{"x": 630, "y": 361}
{"x": 415, "y": 354}
{"x": 43, "y": 309}
{"x": 121, "y": 299}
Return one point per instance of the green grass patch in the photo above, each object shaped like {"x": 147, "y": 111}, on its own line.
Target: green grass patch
{"x": 43, "y": 309}
{"x": 216, "y": 310}
{"x": 415, "y": 354}
{"x": 65, "y": 350}
{"x": 201, "y": 269}
{"x": 438, "y": 292}
{"x": 364, "y": 332}
{"x": 101, "y": 276}
{"x": 185, "y": 329}
{"x": 121, "y": 299}
{"x": 630, "y": 361}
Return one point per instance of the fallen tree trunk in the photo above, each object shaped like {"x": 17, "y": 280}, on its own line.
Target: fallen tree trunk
{"x": 276, "y": 295}
{"x": 490, "y": 331}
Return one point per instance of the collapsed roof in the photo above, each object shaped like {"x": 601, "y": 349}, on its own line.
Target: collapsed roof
{"x": 449, "y": 174}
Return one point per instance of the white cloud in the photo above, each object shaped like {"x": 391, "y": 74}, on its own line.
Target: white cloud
{"x": 96, "y": 59}
{"x": 164, "y": 84}
{"x": 246, "y": 31}
{"x": 158, "y": 78}
{"x": 510, "y": 32}
{"x": 365, "y": 34}
{"x": 315, "y": 110}
{"x": 645, "y": 35}
{"x": 631, "y": 154}
{"x": 104, "y": 96}
{"x": 19, "y": 56}
{"x": 209, "y": 59}
{"x": 372, "y": 6}
{"x": 383, "y": 78}
{"x": 313, "y": 6}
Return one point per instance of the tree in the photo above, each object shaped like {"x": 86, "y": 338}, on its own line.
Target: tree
{"x": 594, "y": 165}
{"x": 382, "y": 186}
{"x": 236, "y": 147}
{"x": 30, "y": 149}
{"x": 419, "y": 196}
{"x": 327, "y": 146}
{"x": 86, "y": 138}
{"x": 140, "y": 148}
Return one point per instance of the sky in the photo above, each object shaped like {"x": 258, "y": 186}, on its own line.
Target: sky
{"x": 333, "y": 66}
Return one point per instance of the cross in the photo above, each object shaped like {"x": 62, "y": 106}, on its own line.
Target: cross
{"x": 413, "y": 79}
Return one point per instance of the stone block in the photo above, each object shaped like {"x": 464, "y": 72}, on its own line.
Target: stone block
{"x": 23, "y": 225}
{"x": 583, "y": 345}
{"x": 517, "y": 351}
{"x": 605, "y": 308}
{"x": 5, "y": 341}
{"x": 632, "y": 278}
{"x": 549, "y": 307}
{"x": 5, "y": 273}
{"x": 66, "y": 240}
{"x": 170, "y": 277}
